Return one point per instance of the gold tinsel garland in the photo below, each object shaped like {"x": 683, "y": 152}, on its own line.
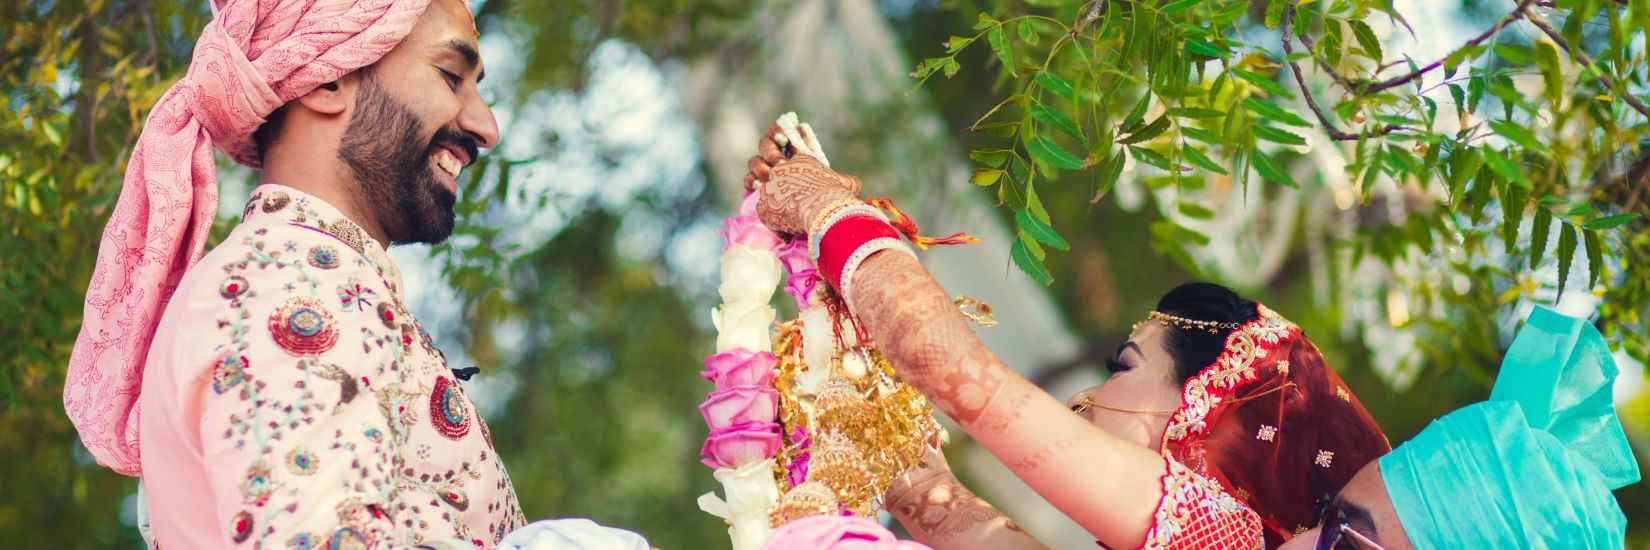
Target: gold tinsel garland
{"x": 864, "y": 432}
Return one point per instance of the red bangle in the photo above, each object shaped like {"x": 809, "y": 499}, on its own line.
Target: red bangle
{"x": 843, "y": 238}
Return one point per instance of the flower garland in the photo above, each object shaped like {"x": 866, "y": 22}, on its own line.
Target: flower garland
{"x": 811, "y": 420}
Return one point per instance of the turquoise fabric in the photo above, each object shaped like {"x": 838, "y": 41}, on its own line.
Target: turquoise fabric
{"x": 1532, "y": 467}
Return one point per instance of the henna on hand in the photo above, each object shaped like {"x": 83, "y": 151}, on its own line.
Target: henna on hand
{"x": 797, "y": 190}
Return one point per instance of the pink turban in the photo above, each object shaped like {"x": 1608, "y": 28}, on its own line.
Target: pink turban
{"x": 253, "y": 57}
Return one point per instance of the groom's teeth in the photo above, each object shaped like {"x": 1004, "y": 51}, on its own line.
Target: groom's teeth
{"x": 448, "y": 164}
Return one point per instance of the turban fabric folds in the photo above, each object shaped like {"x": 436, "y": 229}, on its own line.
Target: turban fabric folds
{"x": 252, "y": 58}
{"x": 1534, "y": 465}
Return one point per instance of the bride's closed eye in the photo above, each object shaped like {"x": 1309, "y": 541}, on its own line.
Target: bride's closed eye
{"x": 1114, "y": 366}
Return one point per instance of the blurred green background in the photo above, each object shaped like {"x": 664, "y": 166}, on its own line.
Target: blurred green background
{"x": 582, "y": 274}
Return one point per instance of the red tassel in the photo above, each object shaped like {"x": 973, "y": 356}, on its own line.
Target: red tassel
{"x": 908, "y": 227}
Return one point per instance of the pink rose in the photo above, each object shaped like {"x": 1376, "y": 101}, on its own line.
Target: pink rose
{"x": 748, "y": 231}
{"x": 737, "y": 445}
{"x": 739, "y": 405}
{"x": 837, "y": 533}
{"x": 740, "y": 367}
{"x": 795, "y": 256}
{"x": 801, "y": 286}
{"x": 747, "y": 205}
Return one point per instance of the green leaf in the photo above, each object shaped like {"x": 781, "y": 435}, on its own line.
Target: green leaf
{"x": 52, "y": 133}
{"x": 1513, "y": 54}
{"x": 1025, "y": 259}
{"x": 1053, "y": 3}
{"x": 990, "y": 157}
{"x": 1274, "y": 113}
{"x": 957, "y": 43}
{"x": 1195, "y": 112}
{"x": 1202, "y": 135}
{"x": 1498, "y": 161}
{"x": 1366, "y": 39}
{"x": 1041, "y": 231}
{"x": 984, "y": 177}
{"x": 1150, "y": 131}
{"x": 1464, "y": 164}
{"x": 1552, "y": 70}
{"x": 1566, "y": 253}
{"x": 1268, "y": 85}
{"x": 1138, "y": 112}
{"x": 1197, "y": 157}
{"x": 999, "y": 44}
{"x": 1269, "y": 169}
{"x": 1609, "y": 222}
{"x": 1109, "y": 172}
{"x": 1053, "y": 83}
{"x": 999, "y": 129}
{"x": 1028, "y": 34}
{"x": 1178, "y": 6}
{"x": 1595, "y": 256}
{"x": 1053, "y": 118}
{"x": 1513, "y": 200}
{"x": 1196, "y": 211}
{"x": 1152, "y": 158}
{"x": 1048, "y": 152}
{"x": 1274, "y": 13}
{"x": 1034, "y": 205}
{"x": 985, "y": 22}
{"x": 1539, "y": 229}
{"x": 1518, "y": 134}
{"x": 1205, "y": 49}
{"x": 1269, "y": 133}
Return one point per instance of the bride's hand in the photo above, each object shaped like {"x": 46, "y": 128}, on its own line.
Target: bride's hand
{"x": 933, "y": 465}
{"x": 793, "y": 189}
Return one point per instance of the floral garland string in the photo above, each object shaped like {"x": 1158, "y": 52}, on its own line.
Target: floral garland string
{"x": 809, "y": 421}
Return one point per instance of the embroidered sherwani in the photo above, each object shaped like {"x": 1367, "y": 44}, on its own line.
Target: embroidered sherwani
{"x": 291, "y": 400}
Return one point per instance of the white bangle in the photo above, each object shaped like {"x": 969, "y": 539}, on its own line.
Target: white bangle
{"x": 863, "y": 253}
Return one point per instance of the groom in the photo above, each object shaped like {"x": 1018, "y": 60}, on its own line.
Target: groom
{"x": 277, "y": 392}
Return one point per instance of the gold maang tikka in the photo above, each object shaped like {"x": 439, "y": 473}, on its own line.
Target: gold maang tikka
{"x": 1167, "y": 320}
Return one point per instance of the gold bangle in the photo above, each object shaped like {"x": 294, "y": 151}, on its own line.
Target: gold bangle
{"x": 819, "y": 219}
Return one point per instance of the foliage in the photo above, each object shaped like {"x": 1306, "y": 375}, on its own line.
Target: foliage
{"x": 1499, "y": 131}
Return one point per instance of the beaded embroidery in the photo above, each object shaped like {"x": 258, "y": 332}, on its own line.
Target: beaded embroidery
{"x": 241, "y": 526}
{"x": 447, "y": 409}
{"x": 1235, "y": 365}
{"x": 1196, "y": 513}
{"x": 303, "y": 326}
{"x": 323, "y": 256}
{"x": 229, "y": 373}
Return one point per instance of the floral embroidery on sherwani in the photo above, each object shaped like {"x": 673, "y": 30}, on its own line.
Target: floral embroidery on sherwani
{"x": 322, "y": 424}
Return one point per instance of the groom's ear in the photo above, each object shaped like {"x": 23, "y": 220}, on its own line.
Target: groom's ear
{"x": 333, "y": 98}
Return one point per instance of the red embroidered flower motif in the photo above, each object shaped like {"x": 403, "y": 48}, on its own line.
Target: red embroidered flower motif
{"x": 447, "y": 410}
{"x": 303, "y": 326}
{"x": 259, "y": 484}
{"x": 230, "y": 372}
{"x": 387, "y": 314}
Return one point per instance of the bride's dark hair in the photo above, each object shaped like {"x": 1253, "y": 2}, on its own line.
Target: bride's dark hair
{"x": 1199, "y": 301}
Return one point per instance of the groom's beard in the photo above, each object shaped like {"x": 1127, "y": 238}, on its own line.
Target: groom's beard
{"x": 385, "y": 149}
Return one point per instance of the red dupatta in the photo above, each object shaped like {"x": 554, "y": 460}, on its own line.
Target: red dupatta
{"x": 1274, "y": 425}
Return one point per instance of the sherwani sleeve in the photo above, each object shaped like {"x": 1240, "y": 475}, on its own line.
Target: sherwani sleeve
{"x": 301, "y": 423}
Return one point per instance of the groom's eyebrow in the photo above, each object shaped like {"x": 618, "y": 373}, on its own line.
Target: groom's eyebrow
{"x": 470, "y": 55}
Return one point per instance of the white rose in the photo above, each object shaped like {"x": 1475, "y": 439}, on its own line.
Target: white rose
{"x": 750, "y": 490}
{"x": 743, "y": 325}
{"x": 748, "y": 275}
{"x": 818, "y": 347}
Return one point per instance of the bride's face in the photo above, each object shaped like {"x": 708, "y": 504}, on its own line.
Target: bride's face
{"x": 1141, "y": 395}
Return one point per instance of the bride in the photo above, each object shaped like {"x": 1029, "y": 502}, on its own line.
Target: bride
{"x": 1220, "y": 427}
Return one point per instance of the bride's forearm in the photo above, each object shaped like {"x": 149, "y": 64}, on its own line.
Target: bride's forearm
{"x": 940, "y": 512}
{"x": 1107, "y": 485}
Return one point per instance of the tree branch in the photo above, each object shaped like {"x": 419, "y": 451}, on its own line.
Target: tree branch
{"x": 1288, "y": 28}
{"x": 1368, "y": 88}
{"x": 1096, "y": 9}
{"x": 1586, "y": 62}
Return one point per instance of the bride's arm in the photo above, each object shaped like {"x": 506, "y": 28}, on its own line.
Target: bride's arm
{"x": 939, "y": 511}
{"x": 1107, "y": 485}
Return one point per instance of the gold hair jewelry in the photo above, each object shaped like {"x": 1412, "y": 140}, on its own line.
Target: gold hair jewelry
{"x": 1089, "y": 403}
{"x": 1189, "y": 324}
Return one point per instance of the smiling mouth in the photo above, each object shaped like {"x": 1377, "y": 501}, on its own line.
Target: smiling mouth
{"x": 447, "y": 162}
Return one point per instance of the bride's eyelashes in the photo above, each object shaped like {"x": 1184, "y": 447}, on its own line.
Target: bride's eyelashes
{"x": 1114, "y": 366}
